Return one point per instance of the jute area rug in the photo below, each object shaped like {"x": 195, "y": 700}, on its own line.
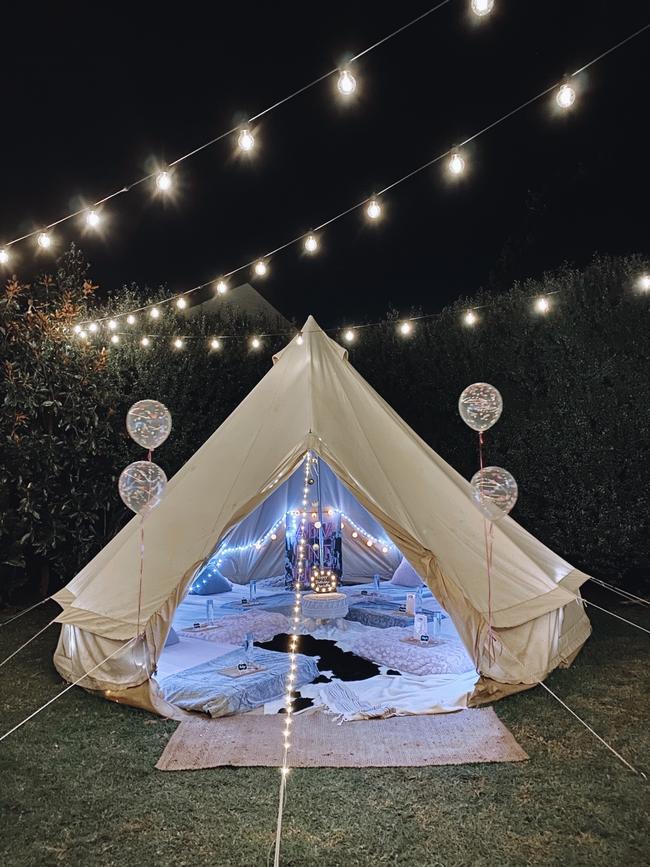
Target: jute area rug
{"x": 249, "y": 740}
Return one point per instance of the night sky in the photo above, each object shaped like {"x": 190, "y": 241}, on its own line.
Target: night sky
{"x": 95, "y": 95}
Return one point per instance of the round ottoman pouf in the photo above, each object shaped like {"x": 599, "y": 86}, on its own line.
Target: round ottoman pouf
{"x": 324, "y": 606}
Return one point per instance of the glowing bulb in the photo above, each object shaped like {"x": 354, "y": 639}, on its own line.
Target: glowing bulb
{"x": 644, "y": 282}
{"x": 355, "y": 534}
{"x": 4, "y": 257}
{"x": 112, "y": 324}
{"x": 348, "y": 336}
{"x": 456, "y": 163}
{"x": 181, "y": 303}
{"x": 130, "y": 319}
{"x": 83, "y": 335}
{"x": 215, "y": 343}
{"x": 154, "y": 313}
{"x": 274, "y": 536}
{"x": 222, "y": 287}
{"x": 261, "y": 268}
{"x": 115, "y": 338}
{"x": 178, "y": 343}
{"x": 566, "y": 96}
{"x": 470, "y": 318}
{"x": 246, "y": 140}
{"x": 256, "y": 343}
{"x": 93, "y": 219}
{"x": 384, "y": 550}
{"x": 93, "y": 327}
{"x": 373, "y": 210}
{"x": 300, "y": 340}
{"x": 369, "y": 543}
{"x": 44, "y": 240}
{"x": 164, "y": 181}
{"x": 482, "y": 7}
{"x": 405, "y": 328}
{"x": 347, "y": 83}
{"x": 311, "y": 243}
{"x": 542, "y": 305}
{"x": 77, "y": 329}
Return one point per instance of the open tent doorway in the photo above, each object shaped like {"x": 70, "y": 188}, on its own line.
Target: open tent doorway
{"x": 362, "y": 652}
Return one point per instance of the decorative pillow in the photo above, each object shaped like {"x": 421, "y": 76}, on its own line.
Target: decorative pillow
{"x": 210, "y": 581}
{"x": 172, "y": 638}
{"x": 405, "y": 575}
{"x": 233, "y": 629}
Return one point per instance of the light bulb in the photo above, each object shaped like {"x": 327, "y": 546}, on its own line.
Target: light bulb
{"x": 256, "y": 343}
{"x": 566, "y": 96}
{"x": 405, "y": 328}
{"x": 93, "y": 327}
{"x": 4, "y": 257}
{"x": 130, "y": 319}
{"x": 246, "y": 140}
{"x": 178, "y": 343}
{"x": 369, "y": 543}
{"x": 348, "y": 335}
{"x": 482, "y": 7}
{"x": 644, "y": 282}
{"x": 115, "y": 338}
{"x": 311, "y": 243}
{"x": 300, "y": 340}
{"x": 346, "y": 83}
{"x": 355, "y": 534}
{"x": 44, "y": 240}
{"x": 470, "y": 318}
{"x": 456, "y": 163}
{"x": 384, "y": 550}
{"x": 145, "y": 341}
{"x": 93, "y": 219}
{"x": 112, "y": 324}
{"x": 273, "y": 537}
{"x": 373, "y": 210}
{"x": 222, "y": 287}
{"x": 542, "y": 305}
{"x": 154, "y": 313}
{"x": 77, "y": 329}
{"x": 261, "y": 268}
{"x": 164, "y": 181}
{"x": 215, "y": 343}
{"x": 83, "y": 335}
{"x": 181, "y": 303}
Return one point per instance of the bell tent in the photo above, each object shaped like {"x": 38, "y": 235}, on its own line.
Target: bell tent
{"x": 230, "y": 505}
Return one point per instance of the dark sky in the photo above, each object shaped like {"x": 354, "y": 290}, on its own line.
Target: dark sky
{"x": 94, "y": 94}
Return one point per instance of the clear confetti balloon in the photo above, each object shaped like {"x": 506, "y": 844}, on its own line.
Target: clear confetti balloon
{"x": 141, "y": 486}
{"x": 494, "y": 491}
{"x": 480, "y": 406}
{"x": 149, "y": 423}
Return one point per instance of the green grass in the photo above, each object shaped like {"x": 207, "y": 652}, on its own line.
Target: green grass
{"x": 78, "y": 784}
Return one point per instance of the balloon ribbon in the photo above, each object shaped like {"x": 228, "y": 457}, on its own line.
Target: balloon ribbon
{"x": 488, "y": 530}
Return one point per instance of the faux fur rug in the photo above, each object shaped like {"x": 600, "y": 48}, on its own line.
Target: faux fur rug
{"x": 249, "y": 740}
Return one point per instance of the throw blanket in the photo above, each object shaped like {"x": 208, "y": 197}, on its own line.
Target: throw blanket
{"x": 233, "y": 630}
{"x": 386, "y": 647}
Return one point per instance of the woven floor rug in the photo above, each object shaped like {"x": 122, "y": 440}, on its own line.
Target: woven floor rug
{"x": 249, "y": 740}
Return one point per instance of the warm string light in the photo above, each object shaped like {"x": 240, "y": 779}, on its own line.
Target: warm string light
{"x": 93, "y": 219}
{"x": 405, "y": 328}
{"x": 644, "y": 282}
{"x": 346, "y": 83}
{"x": 4, "y": 257}
{"x": 470, "y": 318}
{"x": 222, "y": 287}
{"x": 565, "y": 95}
{"x": 311, "y": 244}
{"x": 44, "y": 240}
{"x": 542, "y": 305}
{"x": 482, "y": 7}
{"x": 246, "y": 140}
{"x": 164, "y": 181}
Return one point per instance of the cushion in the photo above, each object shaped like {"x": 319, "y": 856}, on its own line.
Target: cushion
{"x": 172, "y": 638}
{"x": 234, "y": 628}
{"x": 210, "y": 581}
{"x": 227, "y": 567}
{"x": 405, "y": 575}
{"x": 386, "y": 647}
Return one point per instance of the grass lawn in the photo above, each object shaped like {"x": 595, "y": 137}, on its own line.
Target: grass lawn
{"x": 78, "y": 785}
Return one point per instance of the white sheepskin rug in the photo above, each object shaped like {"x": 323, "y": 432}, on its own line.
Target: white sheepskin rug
{"x": 386, "y": 647}
{"x": 264, "y": 625}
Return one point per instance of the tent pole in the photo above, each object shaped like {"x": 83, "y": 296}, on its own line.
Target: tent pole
{"x": 321, "y": 537}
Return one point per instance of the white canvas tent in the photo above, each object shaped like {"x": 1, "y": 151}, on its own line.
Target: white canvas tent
{"x": 313, "y": 399}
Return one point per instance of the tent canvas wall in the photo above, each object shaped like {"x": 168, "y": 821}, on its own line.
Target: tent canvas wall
{"x": 313, "y": 399}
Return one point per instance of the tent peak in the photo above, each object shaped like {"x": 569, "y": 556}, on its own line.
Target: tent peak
{"x": 311, "y": 325}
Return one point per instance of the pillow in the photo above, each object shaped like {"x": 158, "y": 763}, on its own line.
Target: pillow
{"x": 172, "y": 638}
{"x": 387, "y": 647}
{"x": 210, "y": 581}
{"x": 405, "y": 575}
{"x": 227, "y": 567}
